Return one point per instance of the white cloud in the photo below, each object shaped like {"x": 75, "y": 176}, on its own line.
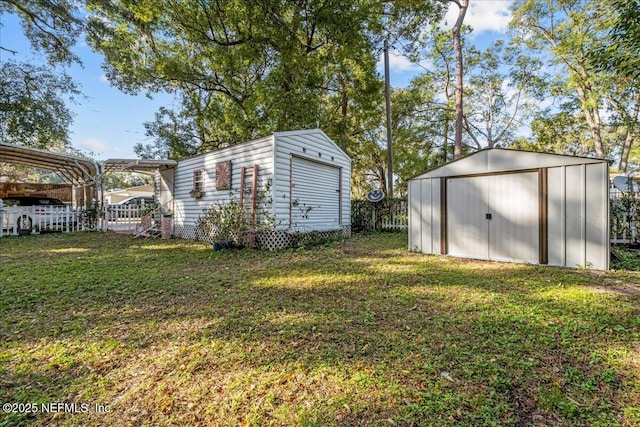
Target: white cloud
{"x": 103, "y": 79}
{"x": 486, "y": 15}
{"x": 94, "y": 145}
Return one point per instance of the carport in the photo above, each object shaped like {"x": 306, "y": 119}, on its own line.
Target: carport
{"x": 81, "y": 173}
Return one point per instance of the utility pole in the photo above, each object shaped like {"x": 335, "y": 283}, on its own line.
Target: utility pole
{"x": 387, "y": 96}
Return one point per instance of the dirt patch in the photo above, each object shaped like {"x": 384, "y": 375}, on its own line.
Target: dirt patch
{"x": 629, "y": 290}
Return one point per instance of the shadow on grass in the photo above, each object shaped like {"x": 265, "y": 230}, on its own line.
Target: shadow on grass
{"x": 356, "y": 334}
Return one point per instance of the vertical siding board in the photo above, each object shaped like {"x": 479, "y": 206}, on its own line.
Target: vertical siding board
{"x": 574, "y": 216}
{"x": 415, "y": 213}
{"x": 188, "y": 209}
{"x": 514, "y": 224}
{"x": 467, "y": 227}
{"x": 556, "y": 216}
{"x": 596, "y": 217}
{"x": 426, "y": 217}
{"x": 435, "y": 211}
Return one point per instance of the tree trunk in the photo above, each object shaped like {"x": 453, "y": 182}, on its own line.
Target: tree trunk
{"x": 457, "y": 45}
{"x": 592, "y": 116}
{"x": 631, "y": 134}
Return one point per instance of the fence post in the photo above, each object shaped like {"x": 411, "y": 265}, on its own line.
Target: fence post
{"x": 373, "y": 217}
{"x": 2, "y": 218}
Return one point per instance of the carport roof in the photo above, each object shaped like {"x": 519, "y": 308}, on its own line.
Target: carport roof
{"x": 75, "y": 170}
{"x": 137, "y": 165}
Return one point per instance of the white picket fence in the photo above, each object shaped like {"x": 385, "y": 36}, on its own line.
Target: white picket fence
{"x": 23, "y": 220}
{"x": 398, "y": 217}
{"x": 625, "y": 232}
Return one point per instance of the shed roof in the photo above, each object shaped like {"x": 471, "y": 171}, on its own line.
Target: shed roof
{"x": 503, "y": 160}
{"x": 75, "y": 170}
{"x": 273, "y": 136}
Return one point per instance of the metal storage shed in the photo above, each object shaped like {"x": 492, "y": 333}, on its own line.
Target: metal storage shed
{"x": 509, "y": 205}
{"x": 303, "y": 179}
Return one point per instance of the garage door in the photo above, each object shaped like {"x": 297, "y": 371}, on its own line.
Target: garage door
{"x": 494, "y": 217}
{"x": 315, "y": 195}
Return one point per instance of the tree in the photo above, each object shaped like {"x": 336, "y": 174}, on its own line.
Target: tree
{"x": 498, "y": 94}
{"x": 264, "y": 65}
{"x": 51, "y": 27}
{"x": 567, "y": 31}
{"x": 463, "y": 5}
{"x": 33, "y": 108}
{"x": 575, "y": 39}
{"x": 32, "y": 112}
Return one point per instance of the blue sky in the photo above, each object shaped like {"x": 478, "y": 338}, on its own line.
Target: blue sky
{"x": 108, "y": 123}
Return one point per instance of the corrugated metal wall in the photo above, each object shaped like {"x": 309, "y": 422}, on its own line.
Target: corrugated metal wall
{"x": 575, "y": 210}
{"x": 315, "y": 207}
{"x": 312, "y": 146}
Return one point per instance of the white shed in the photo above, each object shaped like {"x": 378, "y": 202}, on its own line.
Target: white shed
{"x": 509, "y": 205}
{"x": 302, "y": 178}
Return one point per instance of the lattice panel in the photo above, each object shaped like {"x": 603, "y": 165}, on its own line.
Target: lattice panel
{"x": 269, "y": 240}
{"x": 273, "y": 240}
{"x": 192, "y": 232}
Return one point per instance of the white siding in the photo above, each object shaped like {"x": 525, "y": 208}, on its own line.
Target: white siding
{"x": 425, "y": 215}
{"x": 467, "y": 227}
{"x": 415, "y": 217}
{"x": 574, "y": 216}
{"x": 311, "y": 145}
{"x": 514, "y": 225}
{"x": 315, "y": 191}
{"x": 597, "y": 216}
{"x": 273, "y": 155}
{"x": 188, "y": 209}
{"x": 577, "y": 208}
{"x": 556, "y": 214}
{"x": 164, "y": 186}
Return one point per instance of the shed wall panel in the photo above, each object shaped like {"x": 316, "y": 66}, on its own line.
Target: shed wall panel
{"x": 574, "y": 216}
{"x": 436, "y": 218}
{"x": 416, "y": 205}
{"x": 596, "y": 216}
{"x": 514, "y": 227}
{"x": 467, "y": 226}
{"x": 426, "y": 218}
{"x": 556, "y": 214}
{"x": 313, "y": 146}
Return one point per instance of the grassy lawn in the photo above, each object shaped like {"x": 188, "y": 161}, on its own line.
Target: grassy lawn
{"x": 357, "y": 333}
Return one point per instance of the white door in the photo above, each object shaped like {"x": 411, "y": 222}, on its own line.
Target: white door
{"x": 315, "y": 195}
{"x": 514, "y": 225}
{"x": 467, "y": 227}
{"x": 494, "y": 217}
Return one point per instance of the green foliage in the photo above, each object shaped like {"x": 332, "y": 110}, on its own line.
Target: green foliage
{"x": 32, "y": 107}
{"x": 368, "y": 216}
{"x": 231, "y": 221}
{"x": 624, "y": 259}
{"x": 624, "y": 213}
{"x": 240, "y": 69}
{"x": 52, "y": 27}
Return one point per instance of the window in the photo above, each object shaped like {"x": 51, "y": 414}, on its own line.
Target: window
{"x": 198, "y": 180}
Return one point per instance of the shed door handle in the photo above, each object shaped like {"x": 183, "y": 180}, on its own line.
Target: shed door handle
{"x": 488, "y": 216}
